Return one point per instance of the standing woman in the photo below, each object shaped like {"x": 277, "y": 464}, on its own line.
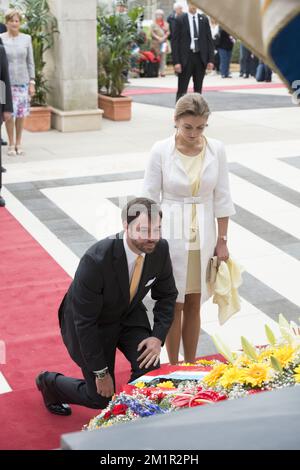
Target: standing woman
{"x": 187, "y": 173}
{"x": 18, "y": 47}
{"x": 160, "y": 31}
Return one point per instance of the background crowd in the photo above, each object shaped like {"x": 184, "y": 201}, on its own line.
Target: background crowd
{"x": 158, "y": 45}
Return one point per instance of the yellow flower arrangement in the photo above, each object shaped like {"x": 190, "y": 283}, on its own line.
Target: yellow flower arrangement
{"x": 232, "y": 376}
{"x": 297, "y": 374}
{"x": 256, "y": 374}
{"x": 213, "y": 377}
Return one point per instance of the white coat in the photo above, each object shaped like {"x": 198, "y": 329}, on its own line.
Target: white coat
{"x": 167, "y": 183}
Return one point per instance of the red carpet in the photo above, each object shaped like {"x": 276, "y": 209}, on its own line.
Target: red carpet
{"x": 155, "y": 91}
{"x": 32, "y": 286}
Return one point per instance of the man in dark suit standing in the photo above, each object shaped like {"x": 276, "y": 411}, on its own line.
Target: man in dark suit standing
{"x": 103, "y": 310}
{"x": 5, "y": 103}
{"x": 193, "y": 49}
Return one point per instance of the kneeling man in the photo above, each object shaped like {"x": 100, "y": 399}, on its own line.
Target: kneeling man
{"x": 103, "y": 310}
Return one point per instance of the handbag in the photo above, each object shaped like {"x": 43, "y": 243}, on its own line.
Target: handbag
{"x": 212, "y": 269}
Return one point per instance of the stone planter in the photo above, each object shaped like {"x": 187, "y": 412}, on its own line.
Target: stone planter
{"x": 116, "y": 109}
{"x": 39, "y": 119}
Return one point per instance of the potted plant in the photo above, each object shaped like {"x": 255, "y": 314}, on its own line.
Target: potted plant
{"x": 41, "y": 25}
{"x": 116, "y": 35}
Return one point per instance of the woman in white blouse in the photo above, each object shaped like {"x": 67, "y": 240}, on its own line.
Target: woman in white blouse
{"x": 188, "y": 175}
{"x": 18, "y": 48}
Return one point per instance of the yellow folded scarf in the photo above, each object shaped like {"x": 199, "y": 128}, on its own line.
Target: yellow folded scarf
{"x": 225, "y": 289}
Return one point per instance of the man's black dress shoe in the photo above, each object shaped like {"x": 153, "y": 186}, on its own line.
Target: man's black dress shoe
{"x": 3, "y": 170}
{"x": 61, "y": 409}
{"x": 3, "y": 142}
{"x": 2, "y": 202}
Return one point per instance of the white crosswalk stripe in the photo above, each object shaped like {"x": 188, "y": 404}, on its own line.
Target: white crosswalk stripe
{"x": 4, "y": 386}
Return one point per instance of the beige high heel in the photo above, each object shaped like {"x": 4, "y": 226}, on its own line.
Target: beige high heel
{"x": 11, "y": 151}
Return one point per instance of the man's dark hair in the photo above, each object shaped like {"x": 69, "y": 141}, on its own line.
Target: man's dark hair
{"x": 138, "y": 206}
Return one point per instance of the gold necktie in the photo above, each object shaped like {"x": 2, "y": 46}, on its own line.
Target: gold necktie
{"x": 136, "y": 275}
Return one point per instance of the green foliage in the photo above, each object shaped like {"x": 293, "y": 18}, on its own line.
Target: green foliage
{"x": 116, "y": 34}
{"x": 41, "y": 25}
{"x": 235, "y": 58}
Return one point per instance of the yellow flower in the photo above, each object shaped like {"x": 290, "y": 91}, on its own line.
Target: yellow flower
{"x": 266, "y": 354}
{"x": 186, "y": 364}
{"x": 284, "y": 354}
{"x": 297, "y": 375}
{"x": 205, "y": 362}
{"x": 256, "y": 374}
{"x": 231, "y": 376}
{"x": 140, "y": 385}
{"x": 107, "y": 424}
{"x": 212, "y": 378}
{"x": 167, "y": 384}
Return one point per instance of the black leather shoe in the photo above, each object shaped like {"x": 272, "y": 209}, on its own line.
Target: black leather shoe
{"x": 3, "y": 170}
{"x": 3, "y": 142}
{"x": 2, "y": 202}
{"x": 61, "y": 409}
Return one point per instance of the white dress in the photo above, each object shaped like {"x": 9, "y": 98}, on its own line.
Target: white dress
{"x": 167, "y": 182}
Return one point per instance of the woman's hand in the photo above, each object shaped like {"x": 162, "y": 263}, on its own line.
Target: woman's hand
{"x": 221, "y": 251}
{"x": 31, "y": 89}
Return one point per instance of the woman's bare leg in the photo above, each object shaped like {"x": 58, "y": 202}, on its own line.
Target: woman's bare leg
{"x": 10, "y": 126}
{"x": 19, "y": 130}
{"x": 191, "y": 326}
{"x": 174, "y": 335}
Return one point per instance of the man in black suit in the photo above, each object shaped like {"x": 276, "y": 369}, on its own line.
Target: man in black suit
{"x": 193, "y": 49}
{"x": 103, "y": 310}
{"x": 5, "y": 103}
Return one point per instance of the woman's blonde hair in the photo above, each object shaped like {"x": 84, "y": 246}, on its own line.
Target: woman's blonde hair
{"x": 192, "y": 104}
{"x": 9, "y": 14}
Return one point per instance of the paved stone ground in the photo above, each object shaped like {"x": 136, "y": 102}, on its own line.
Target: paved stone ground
{"x": 66, "y": 190}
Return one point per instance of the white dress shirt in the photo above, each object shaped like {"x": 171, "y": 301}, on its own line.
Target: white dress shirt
{"x": 193, "y": 33}
{"x": 131, "y": 257}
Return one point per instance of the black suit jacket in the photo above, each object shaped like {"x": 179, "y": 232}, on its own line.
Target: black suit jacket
{"x": 182, "y": 40}
{"x": 5, "y": 92}
{"x": 99, "y": 298}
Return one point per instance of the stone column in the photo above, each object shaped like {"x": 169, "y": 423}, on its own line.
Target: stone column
{"x": 72, "y": 67}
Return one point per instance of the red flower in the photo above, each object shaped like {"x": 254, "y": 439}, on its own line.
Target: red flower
{"x": 119, "y": 410}
{"x": 208, "y": 396}
{"x": 254, "y": 391}
{"x": 107, "y": 415}
{"x": 157, "y": 395}
{"x": 182, "y": 400}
